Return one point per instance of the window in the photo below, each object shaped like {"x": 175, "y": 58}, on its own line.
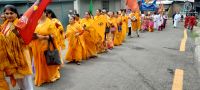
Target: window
{"x": 105, "y": 4}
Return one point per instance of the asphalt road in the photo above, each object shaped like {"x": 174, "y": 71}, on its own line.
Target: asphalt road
{"x": 145, "y": 63}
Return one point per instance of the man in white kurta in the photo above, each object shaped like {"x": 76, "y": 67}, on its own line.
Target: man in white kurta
{"x": 155, "y": 20}
{"x": 177, "y": 18}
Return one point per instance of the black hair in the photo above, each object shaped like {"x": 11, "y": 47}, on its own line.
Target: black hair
{"x": 122, "y": 10}
{"x": 49, "y": 11}
{"x": 113, "y": 13}
{"x": 11, "y": 8}
{"x": 73, "y": 17}
{"x": 21, "y": 14}
{"x": 117, "y": 12}
{"x": 77, "y": 15}
{"x": 99, "y": 10}
{"x": 89, "y": 13}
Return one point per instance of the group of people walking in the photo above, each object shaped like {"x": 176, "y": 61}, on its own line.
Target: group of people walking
{"x": 87, "y": 37}
{"x": 93, "y": 35}
{"x": 153, "y": 21}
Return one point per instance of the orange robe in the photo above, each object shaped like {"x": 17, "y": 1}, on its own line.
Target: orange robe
{"x": 124, "y": 27}
{"x": 139, "y": 22}
{"x": 90, "y": 36}
{"x": 76, "y": 45}
{"x": 136, "y": 25}
{"x": 4, "y": 85}
{"x": 44, "y": 73}
{"x": 60, "y": 41}
{"x": 14, "y": 55}
{"x": 59, "y": 33}
{"x": 100, "y": 25}
{"x": 116, "y": 37}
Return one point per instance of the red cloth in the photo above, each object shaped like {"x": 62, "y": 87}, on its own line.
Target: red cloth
{"x": 186, "y": 21}
{"x": 132, "y": 4}
{"x": 192, "y": 21}
{"x": 29, "y": 20}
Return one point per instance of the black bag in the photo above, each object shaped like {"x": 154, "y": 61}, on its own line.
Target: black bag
{"x": 119, "y": 28}
{"x": 52, "y": 57}
{"x": 107, "y": 29}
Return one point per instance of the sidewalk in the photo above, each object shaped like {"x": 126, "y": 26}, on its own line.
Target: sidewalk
{"x": 196, "y": 37}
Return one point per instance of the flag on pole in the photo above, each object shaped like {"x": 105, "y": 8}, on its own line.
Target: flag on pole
{"x": 28, "y": 22}
{"x": 132, "y": 4}
{"x": 91, "y": 7}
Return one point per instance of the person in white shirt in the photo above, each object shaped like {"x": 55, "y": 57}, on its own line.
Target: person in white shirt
{"x": 159, "y": 21}
{"x": 177, "y": 18}
{"x": 155, "y": 19}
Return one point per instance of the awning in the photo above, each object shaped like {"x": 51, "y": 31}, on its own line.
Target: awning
{"x": 185, "y": 0}
{"x": 164, "y": 2}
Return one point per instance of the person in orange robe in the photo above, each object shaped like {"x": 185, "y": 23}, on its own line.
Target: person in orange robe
{"x": 77, "y": 18}
{"x": 135, "y": 18}
{"x": 109, "y": 43}
{"x": 76, "y": 45}
{"x": 119, "y": 26}
{"x": 138, "y": 12}
{"x": 114, "y": 28}
{"x": 60, "y": 42}
{"x": 100, "y": 26}
{"x": 90, "y": 35}
{"x": 59, "y": 26}
{"x": 17, "y": 64}
{"x": 44, "y": 73}
{"x": 124, "y": 24}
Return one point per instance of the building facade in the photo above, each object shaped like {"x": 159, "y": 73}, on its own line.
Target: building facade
{"x": 112, "y": 5}
{"x": 60, "y": 7}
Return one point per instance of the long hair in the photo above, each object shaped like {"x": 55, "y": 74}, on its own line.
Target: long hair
{"x": 49, "y": 11}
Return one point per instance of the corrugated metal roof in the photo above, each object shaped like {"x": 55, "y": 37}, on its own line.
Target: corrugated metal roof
{"x": 27, "y": 1}
{"x": 185, "y": 0}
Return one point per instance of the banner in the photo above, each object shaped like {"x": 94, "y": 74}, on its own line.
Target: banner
{"x": 148, "y": 6}
{"x": 28, "y": 22}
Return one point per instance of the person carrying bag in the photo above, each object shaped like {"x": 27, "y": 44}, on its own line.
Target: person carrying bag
{"x": 52, "y": 56}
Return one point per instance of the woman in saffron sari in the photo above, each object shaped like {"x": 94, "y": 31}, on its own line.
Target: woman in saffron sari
{"x": 44, "y": 73}
{"x": 124, "y": 25}
{"x": 60, "y": 42}
{"x": 114, "y": 28}
{"x": 15, "y": 59}
{"x": 76, "y": 46}
{"x": 100, "y": 26}
{"x": 90, "y": 35}
{"x": 135, "y": 18}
